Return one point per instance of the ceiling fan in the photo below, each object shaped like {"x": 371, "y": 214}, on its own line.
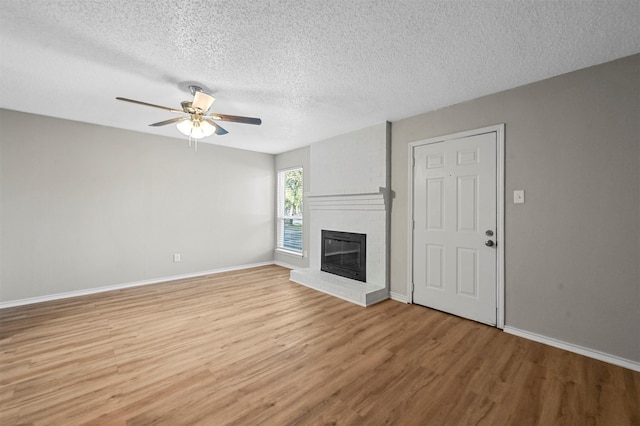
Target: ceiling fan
{"x": 197, "y": 122}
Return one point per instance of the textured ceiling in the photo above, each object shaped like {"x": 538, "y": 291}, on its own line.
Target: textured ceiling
{"x": 309, "y": 69}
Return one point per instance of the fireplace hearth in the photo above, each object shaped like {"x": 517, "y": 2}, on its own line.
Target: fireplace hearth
{"x": 344, "y": 254}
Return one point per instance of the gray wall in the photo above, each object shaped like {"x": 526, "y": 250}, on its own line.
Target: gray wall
{"x": 297, "y": 157}
{"x": 85, "y": 206}
{"x": 573, "y": 249}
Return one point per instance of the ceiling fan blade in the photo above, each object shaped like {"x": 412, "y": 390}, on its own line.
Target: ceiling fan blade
{"x": 151, "y": 105}
{"x": 170, "y": 121}
{"x": 236, "y": 119}
{"x": 219, "y": 130}
{"x": 203, "y": 101}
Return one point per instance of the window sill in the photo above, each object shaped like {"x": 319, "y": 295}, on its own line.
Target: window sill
{"x": 289, "y": 252}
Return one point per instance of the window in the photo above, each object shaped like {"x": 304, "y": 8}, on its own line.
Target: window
{"x": 289, "y": 221}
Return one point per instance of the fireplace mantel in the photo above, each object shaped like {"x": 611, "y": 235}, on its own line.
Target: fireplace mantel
{"x": 361, "y": 201}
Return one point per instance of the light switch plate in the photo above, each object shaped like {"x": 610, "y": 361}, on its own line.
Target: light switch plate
{"x": 518, "y": 196}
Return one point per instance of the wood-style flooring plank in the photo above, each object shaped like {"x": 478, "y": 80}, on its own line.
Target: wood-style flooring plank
{"x": 250, "y": 347}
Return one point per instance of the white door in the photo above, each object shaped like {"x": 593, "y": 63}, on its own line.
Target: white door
{"x": 455, "y": 219}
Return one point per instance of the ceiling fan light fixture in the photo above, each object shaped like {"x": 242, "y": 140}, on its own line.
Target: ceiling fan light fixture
{"x": 207, "y": 128}
{"x": 185, "y": 127}
{"x": 202, "y": 101}
{"x": 196, "y": 129}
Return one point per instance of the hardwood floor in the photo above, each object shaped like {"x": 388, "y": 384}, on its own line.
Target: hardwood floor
{"x": 249, "y": 347}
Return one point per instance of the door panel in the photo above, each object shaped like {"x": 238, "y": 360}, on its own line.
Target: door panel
{"x": 467, "y": 272}
{"x": 467, "y": 203}
{"x": 454, "y": 204}
{"x": 435, "y": 203}
{"x": 435, "y": 266}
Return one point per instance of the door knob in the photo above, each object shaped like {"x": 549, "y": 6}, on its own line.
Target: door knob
{"x": 489, "y": 243}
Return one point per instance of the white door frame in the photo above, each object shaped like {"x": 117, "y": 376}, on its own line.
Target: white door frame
{"x": 499, "y": 130}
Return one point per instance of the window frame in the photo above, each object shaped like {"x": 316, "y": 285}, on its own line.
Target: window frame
{"x": 281, "y": 215}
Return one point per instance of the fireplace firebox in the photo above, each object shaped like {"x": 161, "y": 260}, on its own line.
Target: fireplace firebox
{"x": 344, "y": 254}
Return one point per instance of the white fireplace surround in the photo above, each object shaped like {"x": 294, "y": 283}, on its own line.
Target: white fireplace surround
{"x": 349, "y": 192}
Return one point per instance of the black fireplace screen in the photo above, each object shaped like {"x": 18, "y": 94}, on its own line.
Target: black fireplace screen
{"x": 344, "y": 254}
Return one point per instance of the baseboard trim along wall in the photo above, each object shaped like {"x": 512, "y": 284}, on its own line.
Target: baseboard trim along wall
{"x": 398, "y": 297}
{"x": 39, "y": 299}
{"x": 591, "y": 353}
{"x": 285, "y": 264}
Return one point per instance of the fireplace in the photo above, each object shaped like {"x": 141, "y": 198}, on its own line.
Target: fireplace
{"x": 344, "y": 254}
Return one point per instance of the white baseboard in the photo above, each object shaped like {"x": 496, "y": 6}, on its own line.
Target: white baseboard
{"x": 591, "y": 353}
{"x": 285, "y": 264}
{"x": 398, "y": 297}
{"x": 66, "y": 295}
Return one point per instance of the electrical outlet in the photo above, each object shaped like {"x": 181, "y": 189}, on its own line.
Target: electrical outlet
{"x": 518, "y": 196}
{"x": 176, "y": 258}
